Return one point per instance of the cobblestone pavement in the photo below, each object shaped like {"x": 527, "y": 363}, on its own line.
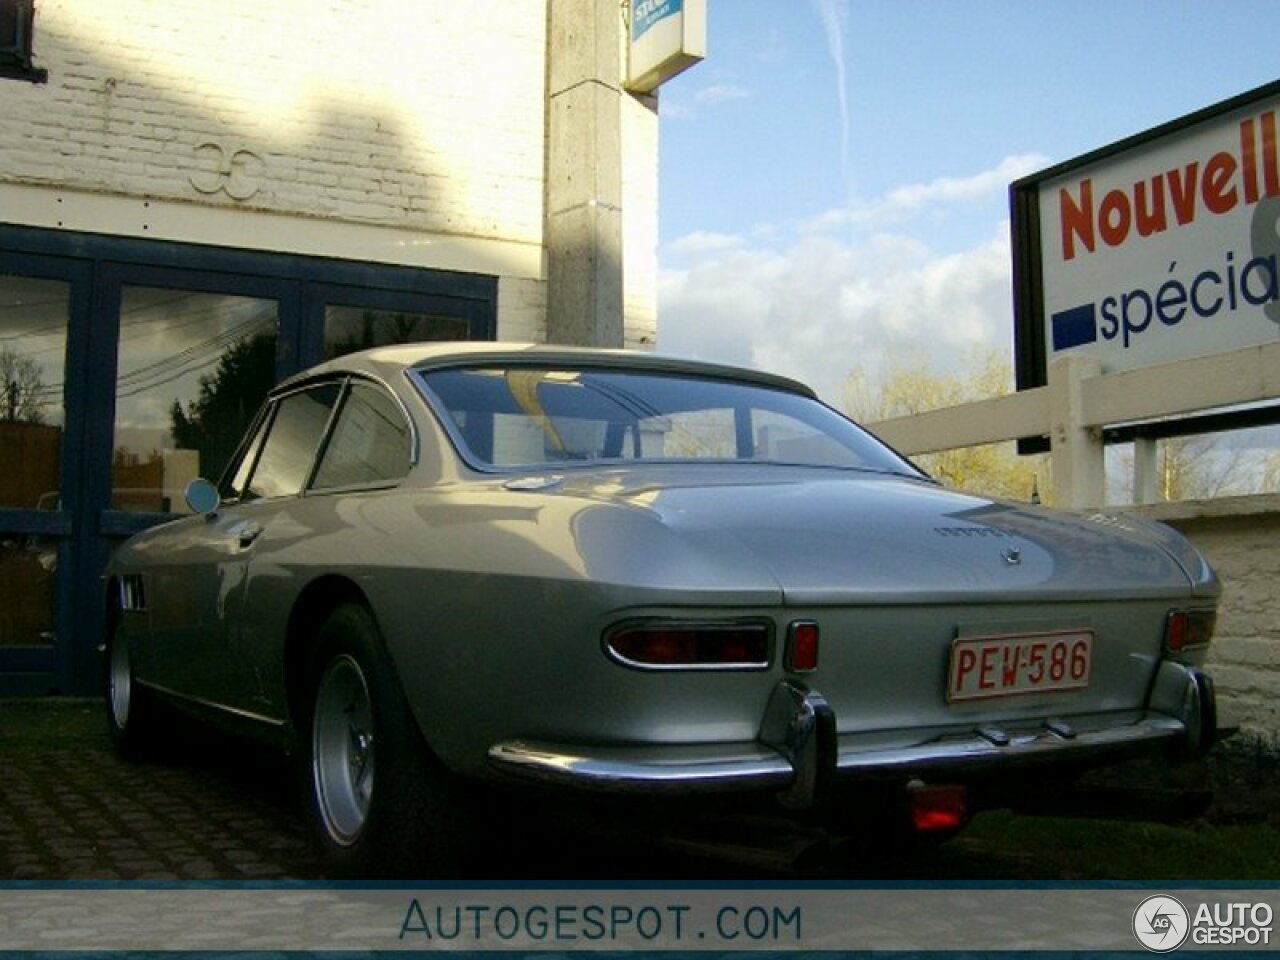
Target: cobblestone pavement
{"x": 221, "y": 810}
{"x": 70, "y": 809}
{"x": 212, "y": 808}
{"x": 218, "y": 809}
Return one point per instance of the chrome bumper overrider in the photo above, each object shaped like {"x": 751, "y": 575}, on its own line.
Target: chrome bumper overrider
{"x": 798, "y": 748}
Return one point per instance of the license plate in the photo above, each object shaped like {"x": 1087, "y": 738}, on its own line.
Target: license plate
{"x": 1006, "y": 666}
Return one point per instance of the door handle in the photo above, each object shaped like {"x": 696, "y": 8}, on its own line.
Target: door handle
{"x": 249, "y": 533}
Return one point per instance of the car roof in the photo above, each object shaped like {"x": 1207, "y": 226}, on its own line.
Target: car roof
{"x": 385, "y": 363}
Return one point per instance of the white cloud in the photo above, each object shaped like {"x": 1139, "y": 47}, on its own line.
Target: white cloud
{"x": 815, "y": 302}
{"x": 905, "y": 202}
{"x": 834, "y": 15}
{"x": 688, "y": 105}
{"x": 703, "y": 243}
{"x": 719, "y": 93}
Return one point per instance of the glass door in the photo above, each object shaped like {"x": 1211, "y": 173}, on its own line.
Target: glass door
{"x": 34, "y": 323}
{"x": 43, "y": 302}
{"x": 194, "y": 354}
{"x": 128, "y": 367}
{"x": 192, "y": 369}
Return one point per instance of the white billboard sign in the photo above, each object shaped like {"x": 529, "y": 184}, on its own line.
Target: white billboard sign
{"x": 1165, "y": 247}
{"x": 667, "y": 36}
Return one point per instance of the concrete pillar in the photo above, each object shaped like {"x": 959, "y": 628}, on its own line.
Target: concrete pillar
{"x": 1078, "y": 455}
{"x": 1146, "y": 470}
{"x": 583, "y": 230}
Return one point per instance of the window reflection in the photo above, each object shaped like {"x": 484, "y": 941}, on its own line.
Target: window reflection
{"x": 28, "y": 568}
{"x": 193, "y": 370}
{"x": 33, "y": 345}
{"x": 525, "y": 416}
{"x": 370, "y": 442}
{"x": 293, "y": 440}
{"x": 347, "y": 329}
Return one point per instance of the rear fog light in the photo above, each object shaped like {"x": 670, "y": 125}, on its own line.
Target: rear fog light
{"x": 938, "y": 809}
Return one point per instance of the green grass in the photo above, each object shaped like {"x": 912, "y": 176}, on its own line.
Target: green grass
{"x": 1057, "y": 848}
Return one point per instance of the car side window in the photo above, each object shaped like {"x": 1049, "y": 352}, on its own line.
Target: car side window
{"x": 292, "y": 441}
{"x": 371, "y": 442}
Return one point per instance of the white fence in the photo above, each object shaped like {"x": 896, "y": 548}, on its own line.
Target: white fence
{"x": 1080, "y": 401}
{"x": 1240, "y": 536}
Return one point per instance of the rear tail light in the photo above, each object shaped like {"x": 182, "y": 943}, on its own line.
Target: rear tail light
{"x": 1189, "y": 629}
{"x": 938, "y": 809}
{"x": 679, "y": 645}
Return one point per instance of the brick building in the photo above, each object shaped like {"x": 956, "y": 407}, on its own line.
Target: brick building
{"x": 199, "y": 198}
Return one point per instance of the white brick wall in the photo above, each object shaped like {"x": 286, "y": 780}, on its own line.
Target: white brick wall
{"x": 425, "y": 120}
{"x": 413, "y": 115}
{"x": 1241, "y": 538}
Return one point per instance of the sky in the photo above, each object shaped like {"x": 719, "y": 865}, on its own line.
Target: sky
{"x": 834, "y": 175}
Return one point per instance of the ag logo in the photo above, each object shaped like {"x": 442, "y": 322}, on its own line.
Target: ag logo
{"x": 1265, "y": 233}
{"x": 1161, "y": 924}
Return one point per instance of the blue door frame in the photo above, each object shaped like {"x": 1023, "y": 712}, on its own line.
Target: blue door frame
{"x": 96, "y": 268}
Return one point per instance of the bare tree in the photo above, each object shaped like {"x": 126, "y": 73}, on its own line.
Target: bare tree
{"x": 912, "y": 386}
{"x": 1271, "y": 473}
{"x": 1201, "y": 468}
{"x": 21, "y": 388}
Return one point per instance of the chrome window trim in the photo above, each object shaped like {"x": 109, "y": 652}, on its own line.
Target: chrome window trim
{"x": 266, "y": 416}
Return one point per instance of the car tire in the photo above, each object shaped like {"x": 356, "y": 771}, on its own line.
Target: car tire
{"x": 378, "y": 804}
{"x": 131, "y": 707}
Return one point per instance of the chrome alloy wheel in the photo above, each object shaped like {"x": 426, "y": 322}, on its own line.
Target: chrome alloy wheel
{"x": 120, "y": 683}
{"x": 342, "y": 749}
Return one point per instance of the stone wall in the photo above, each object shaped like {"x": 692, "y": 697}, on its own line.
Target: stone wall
{"x": 1241, "y": 538}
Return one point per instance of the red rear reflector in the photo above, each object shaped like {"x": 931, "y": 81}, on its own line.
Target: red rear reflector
{"x": 938, "y": 809}
{"x": 802, "y": 646}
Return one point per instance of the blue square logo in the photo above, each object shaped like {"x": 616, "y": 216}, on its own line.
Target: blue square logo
{"x": 1074, "y": 327}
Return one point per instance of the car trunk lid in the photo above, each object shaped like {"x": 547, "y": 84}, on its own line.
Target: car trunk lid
{"x": 839, "y": 537}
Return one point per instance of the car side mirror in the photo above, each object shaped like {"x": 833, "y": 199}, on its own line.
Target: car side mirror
{"x": 202, "y": 496}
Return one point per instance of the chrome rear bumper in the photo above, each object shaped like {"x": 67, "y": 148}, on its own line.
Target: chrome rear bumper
{"x": 798, "y": 749}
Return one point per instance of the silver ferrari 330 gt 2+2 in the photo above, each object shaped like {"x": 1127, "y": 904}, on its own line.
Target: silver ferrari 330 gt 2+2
{"x": 434, "y": 567}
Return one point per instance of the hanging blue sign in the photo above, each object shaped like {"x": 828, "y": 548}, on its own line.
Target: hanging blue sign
{"x": 647, "y": 13}
{"x": 667, "y": 36}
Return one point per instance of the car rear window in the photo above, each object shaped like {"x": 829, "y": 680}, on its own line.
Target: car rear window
{"x": 525, "y": 416}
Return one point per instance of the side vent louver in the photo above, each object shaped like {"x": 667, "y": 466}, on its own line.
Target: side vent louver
{"x": 132, "y": 596}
